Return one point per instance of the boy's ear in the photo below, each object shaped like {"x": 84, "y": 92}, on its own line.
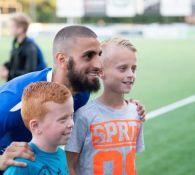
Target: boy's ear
{"x": 35, "y": 126}
{"x": 61, "y": 59}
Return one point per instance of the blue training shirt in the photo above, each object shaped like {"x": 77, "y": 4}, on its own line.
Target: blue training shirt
{"x": 11, "y": 125}
{"x": 45, "y": 164}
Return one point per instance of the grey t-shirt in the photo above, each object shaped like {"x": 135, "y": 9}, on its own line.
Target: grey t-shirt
{"x": 107, "y": 139}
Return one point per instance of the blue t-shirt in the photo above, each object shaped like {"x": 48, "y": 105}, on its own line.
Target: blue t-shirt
{"x": 11, "y": 125}
{"x": 45, "y": 164}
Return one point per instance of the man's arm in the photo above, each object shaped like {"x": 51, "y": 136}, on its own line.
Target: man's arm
{"x": 16, "y": 149}
{"x": 72, "y": 159}
{"x": 7, "y": 122}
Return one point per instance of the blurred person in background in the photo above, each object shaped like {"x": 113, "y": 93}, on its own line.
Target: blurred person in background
{"x": 25, "y": 55}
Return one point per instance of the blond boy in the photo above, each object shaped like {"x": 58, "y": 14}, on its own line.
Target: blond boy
{"x": 108, "y": 131}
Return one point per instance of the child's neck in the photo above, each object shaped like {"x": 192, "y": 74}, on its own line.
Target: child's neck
{"x": 113, "y": 99}
{"x": 43, "y": 145}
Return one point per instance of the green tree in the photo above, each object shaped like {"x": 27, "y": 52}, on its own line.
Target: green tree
{"x": 40, "y": 10}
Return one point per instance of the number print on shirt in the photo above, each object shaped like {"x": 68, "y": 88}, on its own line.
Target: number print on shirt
{"x": 115, "y": 134}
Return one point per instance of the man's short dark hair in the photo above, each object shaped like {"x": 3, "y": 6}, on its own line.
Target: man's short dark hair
{"x": 67, "y": 34}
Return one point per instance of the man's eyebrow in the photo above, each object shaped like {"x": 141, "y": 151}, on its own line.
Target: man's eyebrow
{"x": 89, "y": 52}
{"x": 92, "y": 52}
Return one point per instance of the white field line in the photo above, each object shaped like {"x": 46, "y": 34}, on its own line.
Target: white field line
{"x": 170, "y": 107}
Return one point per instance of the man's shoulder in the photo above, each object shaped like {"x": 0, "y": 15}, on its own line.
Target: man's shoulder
{"x": 30, "y": 44}
{"x": 22, "y": 81}
{"x": 11, "y": 92}
{"x": 29, "y": 41}
{"x": 35, "y": 76}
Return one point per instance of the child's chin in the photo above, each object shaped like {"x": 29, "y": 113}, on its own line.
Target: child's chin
{"x": 126, "y": 91}
{"x": 64, "y": 142}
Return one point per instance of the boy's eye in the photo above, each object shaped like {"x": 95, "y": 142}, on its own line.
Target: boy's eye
{"x": 62, "y": 121}
{"x": 122, "y": 68}
{"x": 133, "y": 69}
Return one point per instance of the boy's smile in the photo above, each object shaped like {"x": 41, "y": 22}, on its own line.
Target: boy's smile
{"x": 119, "y": 69}
{"x": 57, "y": 125}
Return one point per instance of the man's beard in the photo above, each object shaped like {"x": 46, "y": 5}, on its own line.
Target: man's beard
{"x": 79, "y": 81}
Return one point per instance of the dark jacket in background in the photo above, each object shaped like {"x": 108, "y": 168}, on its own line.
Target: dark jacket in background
{"x": 25, "y": 57}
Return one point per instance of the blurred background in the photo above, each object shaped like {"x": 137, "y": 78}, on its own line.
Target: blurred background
{"x": 163, "y": 32}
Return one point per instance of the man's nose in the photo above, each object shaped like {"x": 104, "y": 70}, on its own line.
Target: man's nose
{"x": 97, "y": 63}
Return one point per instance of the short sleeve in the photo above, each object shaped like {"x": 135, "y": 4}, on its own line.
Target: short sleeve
{"x": 78, "y": 135}
{"x": 140, "y": 141}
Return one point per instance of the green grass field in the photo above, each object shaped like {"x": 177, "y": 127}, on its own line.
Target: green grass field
{"x": 165, "y": 74}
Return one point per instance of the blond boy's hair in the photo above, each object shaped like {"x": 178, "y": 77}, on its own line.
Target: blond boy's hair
{"x": 21, "y": 20}
{"x": 37, "y": 94}
{"x": 119, "y": 41}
